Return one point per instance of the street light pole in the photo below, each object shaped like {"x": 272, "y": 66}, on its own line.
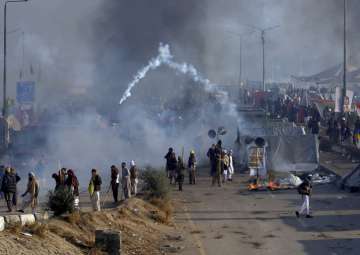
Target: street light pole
{"x": 263, "y": 59}
{"x": 241, "y": 51}
{"x": 344, "y": 63}
{"x": 241, "y": 37}
{"x": 262, "y": 32}
{"x": 5, "y": 110}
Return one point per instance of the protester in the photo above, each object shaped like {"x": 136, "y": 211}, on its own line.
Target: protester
{"x": 72, "y": 185}
{"x": 114, "y": 182}
{"x": 125, "y": 180}
{"x": 192, "y": 168}
{"x": 13, "y": 171}
{"x": 61, "y": 178}
{"x": 30, "y": 197}
{"x": 56, "y": 178}
{"x": 345, "y": 132}
{"x": 225, "y": 165}
{"x": 305, "y": 189}
{"x": 356, "y": 134}
{"x": 94, "y": 190}
{"x": 211, "y": 155}
{"x": 134, "y": 175}
{"x": 218, "y": 164}
{"x": 2, "y": 173}
{"x": 313, "y": 126}
{"x": 180, "y": 173}
{"x": 231, "y": 166}
{"x": 9, "y": 188}
{"x": 171, "y": 165}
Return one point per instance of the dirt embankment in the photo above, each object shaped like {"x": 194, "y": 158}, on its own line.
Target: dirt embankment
{"x": 142, "y": 224}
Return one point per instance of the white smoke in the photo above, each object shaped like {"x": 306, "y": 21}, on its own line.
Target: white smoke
{"x": 166, "y": 58}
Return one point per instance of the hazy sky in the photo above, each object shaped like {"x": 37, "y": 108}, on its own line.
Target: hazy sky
{"x": 101, "y": 43}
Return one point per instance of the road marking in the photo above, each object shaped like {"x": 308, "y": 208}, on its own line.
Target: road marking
{"x": 196, "y": 236}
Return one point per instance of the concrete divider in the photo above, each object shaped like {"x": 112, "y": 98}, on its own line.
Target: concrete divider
{"x": 27, "y": 219}
{"x": 12, "y": 219}
{"x": 24, "y": 219}
{"x": 2, "y": 224}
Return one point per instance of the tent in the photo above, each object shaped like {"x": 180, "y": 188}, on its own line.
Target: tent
{"x": 351, "y": 180}
{"x": 288, "y": 147}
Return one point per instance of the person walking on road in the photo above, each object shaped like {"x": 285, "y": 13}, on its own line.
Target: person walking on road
{"x": 180, "y": 175}
{"x": 134, "y": 175}
{"x": 72, "y": 185}
{"x": 125, "y": 180}
{"x": 115, "y": 182}
{"x": 2, "y": 173}
{"x": 192, "y": 168}
{"x": 225, "y": 165}
{"x": 9, "y": 188}
{"x": 218, "y": 164}
{"x": 94, "y": 190}
{"x": 305, "y": 189}
{"x": 231, "y": 168}
{"x": 30, "y": 197}
{"x": 211, "y": 155}
{"x": 171, "y": 165}
{"x": 14, "y": 199}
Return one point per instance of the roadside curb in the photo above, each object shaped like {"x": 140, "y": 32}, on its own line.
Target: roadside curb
{"x": 23, "y": 219}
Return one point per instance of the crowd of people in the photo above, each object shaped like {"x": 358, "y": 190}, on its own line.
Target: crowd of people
{"x": 9, "y": 180}
{"x": 221, "y": 166}
{"x": 67, "y": 180}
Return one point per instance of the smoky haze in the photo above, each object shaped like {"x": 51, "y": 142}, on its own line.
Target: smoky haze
{"x": 85, "y": 53}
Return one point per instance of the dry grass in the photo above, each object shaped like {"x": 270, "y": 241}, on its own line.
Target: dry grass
{"x": 165, "y": 205}
{"x": 95, "y": 251}
{"x": 73, "y": 218}
{"x": 38, "y": 229}
{"x": 15, "y": 228}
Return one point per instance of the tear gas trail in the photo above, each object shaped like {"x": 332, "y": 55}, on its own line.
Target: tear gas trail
{"x": 166, "y": 58}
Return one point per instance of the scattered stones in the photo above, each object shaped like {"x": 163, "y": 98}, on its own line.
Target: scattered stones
{"x": 171, "y": 248}
{"x": 175, "y": 238}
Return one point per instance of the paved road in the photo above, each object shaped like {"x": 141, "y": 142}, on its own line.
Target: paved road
{"x": 231, "y": 220}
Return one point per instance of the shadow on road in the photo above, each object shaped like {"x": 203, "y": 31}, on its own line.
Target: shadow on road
{"x": 324, "y": 223}
{"x": 331, "y": 246}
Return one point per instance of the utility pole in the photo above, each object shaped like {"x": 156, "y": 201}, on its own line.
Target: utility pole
{"x": 241, "y": 38}
{"x": 344, "y": 63}
{"x": 262, "y": 33}
{"x": 241, "y": 51}
{"x": 263, "y": 59}
{"x": 5, "y": 110}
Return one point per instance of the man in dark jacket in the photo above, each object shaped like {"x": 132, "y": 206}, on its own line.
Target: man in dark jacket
{"x": 9, "y": 188}
{"x": 114, "y": 183}
{"x": 305, "y": 189}
{"x": 171, "y": 164}
{"x": 218, "y": 164}
{"x": 313, "y": 126}
{"x": 180, "y": 173}
{"x": 211, "y": 156}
